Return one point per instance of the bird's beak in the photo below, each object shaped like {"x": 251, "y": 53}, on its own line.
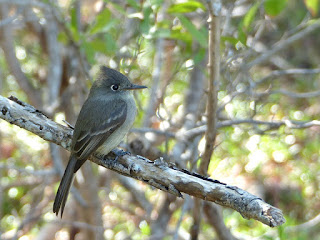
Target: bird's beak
{"x": 134, "y": 87}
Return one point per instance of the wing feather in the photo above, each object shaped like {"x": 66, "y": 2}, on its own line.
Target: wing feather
{"x": 93, "y": 134}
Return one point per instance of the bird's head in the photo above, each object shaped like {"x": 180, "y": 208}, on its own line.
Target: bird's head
{"x": 113, "y": 82}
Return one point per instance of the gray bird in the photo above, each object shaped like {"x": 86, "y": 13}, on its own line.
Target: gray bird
{"x": 105, "y": 118}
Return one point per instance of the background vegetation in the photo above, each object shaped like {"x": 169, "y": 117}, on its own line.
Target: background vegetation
{"x": 267, "y": 130}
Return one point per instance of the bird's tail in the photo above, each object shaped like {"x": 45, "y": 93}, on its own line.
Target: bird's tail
{"x": 64, "y": 187}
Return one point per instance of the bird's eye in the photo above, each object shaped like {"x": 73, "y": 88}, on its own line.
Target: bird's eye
{"x": 114, "y": 87}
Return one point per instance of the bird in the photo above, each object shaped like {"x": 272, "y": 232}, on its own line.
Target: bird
{"x": 104, "y": 119}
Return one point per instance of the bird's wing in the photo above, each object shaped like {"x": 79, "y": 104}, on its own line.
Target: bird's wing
{"x": 105, "y": 120}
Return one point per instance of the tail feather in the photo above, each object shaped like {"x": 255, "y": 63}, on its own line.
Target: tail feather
{"x": 64, "y": 187}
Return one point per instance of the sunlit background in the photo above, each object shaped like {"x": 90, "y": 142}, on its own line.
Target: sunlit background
{"x": 163, "y": 44}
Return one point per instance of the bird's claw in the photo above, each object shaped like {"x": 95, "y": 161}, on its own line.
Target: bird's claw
{"x": 120, "y": 153}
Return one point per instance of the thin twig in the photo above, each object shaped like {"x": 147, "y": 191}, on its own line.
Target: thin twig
{"x": 184, "y": 208}
{"x": 274, "y": 124}
{"x": 283, "y": 44}
{"x": 152, "y": 130}
{"x": 213, "y": 80}
{"x": 214, "y": 215}
{"x": 304, "y": 226}
{"x": 29, "y": 3}
{"x": 156, "y": 74}
{"x": 10, "y": 19}
{"x": 191, "y": 114}
{"x": 197, "y": 217}
{"x": 38, "y": 173}
{"x": 196, "y": 131}
{"x": 294, "y": 71}
{"x": 192, "y": 133}
{"x": 6, "y": 41}
{"x": 55, "y": 64}
{"x": 295, "y": 94}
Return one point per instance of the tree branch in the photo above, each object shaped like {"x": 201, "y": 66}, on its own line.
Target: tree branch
{"x": 214, "y": 215}
{"x": 214, "y": 75}
{"x": 270, "y": 125}
{"x": 7, "y": 44}
{"x": 294, "y": 71}
{"x": 155, "y": 173}
{"x": 296, "y": 94}
{"x": 283, "y": 44}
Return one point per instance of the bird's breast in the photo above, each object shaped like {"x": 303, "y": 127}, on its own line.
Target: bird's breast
{"x": 117, "y": 136}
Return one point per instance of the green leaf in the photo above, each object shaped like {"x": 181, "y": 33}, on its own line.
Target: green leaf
{"x": 133, "y": 4}
{"x": 145, "y": 24}
{"x": 185, "y": 37}
{"x": 164, "y": 24}
{"x": 313, "y": 6}
{"x": 274, "y": 7}
{"x": 246, "y": 23}
{"x": 111, "y": 44}
{"x": 249, "y": 17}
{"x": 162, "y": 33}
{"x": 74, "y": 26}
{"x": 99, "y": 45}
{"x": 73, "y": 14}
{"x": 103, "y": 22}
{"x": 89, "y": 51}
{"x": 231, "y": 40}
{"x": 242, "y": 36}
{"x": 120, "y": 9}
{"x": 156, "y": 4}
{"x": 105, "y": 45}
{"x": 145, "y": 229}
{"x": 200, "y": 55}
{"x": 63, "y": 38}
{"x": 198, "y": 35}
{"x": 185, "y": 7}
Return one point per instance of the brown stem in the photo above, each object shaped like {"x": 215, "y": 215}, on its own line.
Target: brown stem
{"x": 214, "y": 73}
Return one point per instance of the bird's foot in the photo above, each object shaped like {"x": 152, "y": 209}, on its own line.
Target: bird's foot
{"x": 119, "y": 153}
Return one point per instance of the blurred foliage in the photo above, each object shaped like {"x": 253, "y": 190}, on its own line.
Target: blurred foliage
{"x": 281, "y": 165}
